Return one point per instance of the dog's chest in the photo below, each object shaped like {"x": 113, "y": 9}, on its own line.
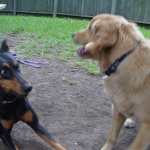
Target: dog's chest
{"x": 119, "y": 97}
{"x": 13, "y": 111}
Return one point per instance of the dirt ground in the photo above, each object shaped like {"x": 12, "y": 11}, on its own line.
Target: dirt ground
{"x": 75, "y": 111}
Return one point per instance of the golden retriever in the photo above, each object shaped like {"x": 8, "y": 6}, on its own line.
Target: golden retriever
{"x": 107, "y": 39}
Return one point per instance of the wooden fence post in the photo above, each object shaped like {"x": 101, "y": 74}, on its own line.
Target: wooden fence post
{"x": 146, "y": 10}
{"x": 113, "y": 7}
{"x": 15, "y": 6}
{"x": 55, "y": 8}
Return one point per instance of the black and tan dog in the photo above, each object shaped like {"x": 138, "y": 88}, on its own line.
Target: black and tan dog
{"x": 14, "y": 105}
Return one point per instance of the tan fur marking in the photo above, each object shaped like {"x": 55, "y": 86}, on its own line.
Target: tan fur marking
{"x": 6, "y": 65}
{"x": 6, "y": 44}
{"x": 11, "y": 84}
{"x": 57, "y": 146}
{"x": 7, "y": 123}
{"x": 27, "y": 117}
{"x": 15, "y": 146}
{"x": 15, "y": 63}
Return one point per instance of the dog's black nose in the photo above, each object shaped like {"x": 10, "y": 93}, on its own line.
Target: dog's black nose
{"x": 27, "y": 88}
{"x": 73, "y": 35}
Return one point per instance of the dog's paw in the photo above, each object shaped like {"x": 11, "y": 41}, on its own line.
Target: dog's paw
{"x": 108, "y": 146}
{"x": 129, "y": 123}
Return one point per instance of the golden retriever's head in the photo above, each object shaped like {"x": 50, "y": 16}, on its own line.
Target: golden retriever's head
{"x": 105, "y": 35}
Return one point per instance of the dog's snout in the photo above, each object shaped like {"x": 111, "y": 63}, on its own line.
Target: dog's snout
{"x": 27, "y": 88}
{"x": 73, "y": 35}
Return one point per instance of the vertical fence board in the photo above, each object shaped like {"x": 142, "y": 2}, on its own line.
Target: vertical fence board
{"x": 75, "y": 5}
{"x": 79, "y": 7}
{"x": 95, "y": 8}
{"x": 106, "y": 7}
{"x": 55, "y": 8}
{"x": 101, "y": 6}
{"x": 89, "y": 8}
{"x": 63, "y": 6}
{"x": 124, "y": 8}
{"x": 147, "y": 12}
{"x": 59, "y": 7}
{"x": 138, "y": 10}
{"x": 15, "y": 7}
{"x": 113, "y": 7}
{"x": 67, "y": 6}
{"x": 128, "y": 8}
{"x": 131, "y": 10}
{"x": 143, "y": 10}
{"x": 84, "y": 8}
{"x": 118, "y": 7}
{"x": 98, "y": 7}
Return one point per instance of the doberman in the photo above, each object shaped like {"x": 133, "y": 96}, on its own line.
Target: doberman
{"x": 14, "y": 105}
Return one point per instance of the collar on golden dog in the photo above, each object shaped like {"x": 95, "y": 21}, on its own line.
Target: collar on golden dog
{"x": 114, "y": 66}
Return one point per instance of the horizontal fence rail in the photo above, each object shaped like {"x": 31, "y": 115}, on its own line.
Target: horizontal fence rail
{"x": 133, "y": 10}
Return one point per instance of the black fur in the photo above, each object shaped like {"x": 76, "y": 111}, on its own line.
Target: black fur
{"x": 14, "y": 104}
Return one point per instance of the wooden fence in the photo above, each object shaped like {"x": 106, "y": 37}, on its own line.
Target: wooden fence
{"x": 133, "y": 10}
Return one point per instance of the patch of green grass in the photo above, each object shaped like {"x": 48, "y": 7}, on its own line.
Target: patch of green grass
{"x": 145, "y": 32}
{"x": 61, "y": 58}
{"x": 50, "y": 37}
{"x": 64, "y": 78}
{"x": 91, "y": 66}
{"x": 40, "y": 35}
{"x": 51, "y": 56}
{"x": 53, "y": 31}
{"x": 76, "y": 82}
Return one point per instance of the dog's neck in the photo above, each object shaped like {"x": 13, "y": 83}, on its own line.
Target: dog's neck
{"x": 114, "y": 66}
{"x": 124, "y": 44}
{"x": 110, "y": 54}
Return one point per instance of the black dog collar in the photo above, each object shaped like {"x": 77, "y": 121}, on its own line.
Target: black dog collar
{"x": 8, "y": 102}
{"x": 114, "y": 66}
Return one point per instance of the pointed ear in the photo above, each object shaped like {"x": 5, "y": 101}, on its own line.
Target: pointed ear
{"x": 4, "y": 47}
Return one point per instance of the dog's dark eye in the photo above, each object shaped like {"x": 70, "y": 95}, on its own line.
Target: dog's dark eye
{"x": 3, "y": 71}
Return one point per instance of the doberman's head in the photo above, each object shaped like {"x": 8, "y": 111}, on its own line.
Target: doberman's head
{"x": 11, "y": 81}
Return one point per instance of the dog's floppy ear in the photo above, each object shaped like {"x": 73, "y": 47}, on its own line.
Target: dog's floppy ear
{"x": 4, "y": 47}
{"x": 95, "y": 29}
{"x": 105, "y": 34}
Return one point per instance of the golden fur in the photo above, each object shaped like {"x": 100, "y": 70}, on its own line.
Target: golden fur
{"x": 107, "y": 38}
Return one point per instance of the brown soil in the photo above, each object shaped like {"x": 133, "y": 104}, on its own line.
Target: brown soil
{"x": 76, "y": 114}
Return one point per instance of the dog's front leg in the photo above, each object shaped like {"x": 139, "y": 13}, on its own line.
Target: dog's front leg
{"x": 116, "y": 124}
{"x": 31, "y": 119}
{"x": 5, "y": 136}
{"x": 5, "y": 129}
{"x": 41, "y": 132}
{"x": 142, "y": 140}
